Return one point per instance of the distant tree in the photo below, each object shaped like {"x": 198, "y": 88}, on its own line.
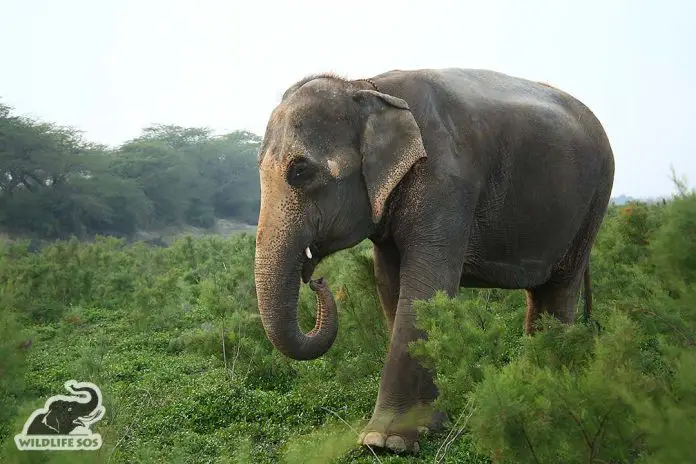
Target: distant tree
{"x": 236, "y": 176}
{"x": 54, "y": 183}
{"x": 50, "y": 178}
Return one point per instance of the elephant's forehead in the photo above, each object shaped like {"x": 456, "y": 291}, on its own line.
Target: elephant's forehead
{"x": 306, "y": 115}
{"x": 281, "y": 137}
{"x": 307, "y": 120}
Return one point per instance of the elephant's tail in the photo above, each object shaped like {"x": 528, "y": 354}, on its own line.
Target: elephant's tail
{"x": 587, "y": 313}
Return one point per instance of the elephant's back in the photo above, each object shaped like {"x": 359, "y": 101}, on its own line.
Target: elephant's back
{"x": 479, "y": 104}
{"x": 473, "y": 86}
{"x": 483, "y": 91}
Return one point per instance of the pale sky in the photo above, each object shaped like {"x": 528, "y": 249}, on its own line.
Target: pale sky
{"x": 111, "y": 68}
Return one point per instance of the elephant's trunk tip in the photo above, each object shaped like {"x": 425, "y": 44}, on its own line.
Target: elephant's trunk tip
{"x": 317, "y": 284}
{"x": 326, "y": 316}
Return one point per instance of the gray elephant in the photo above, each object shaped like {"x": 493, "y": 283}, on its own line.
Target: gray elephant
{"x": 64, "y": 414}
{"x": 459, "y": 177}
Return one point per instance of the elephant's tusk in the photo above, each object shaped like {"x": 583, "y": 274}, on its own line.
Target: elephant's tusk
{"x": 308, "y": 253}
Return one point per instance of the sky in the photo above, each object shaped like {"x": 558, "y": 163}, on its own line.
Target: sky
{"x": 113, "y": 67}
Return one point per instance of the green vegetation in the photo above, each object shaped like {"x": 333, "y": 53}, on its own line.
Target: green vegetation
{"x": 55, "y": 184}
{"x": 172, "y": 337}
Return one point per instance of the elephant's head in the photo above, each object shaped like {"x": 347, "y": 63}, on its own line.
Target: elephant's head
{"x": 333, "y": 152}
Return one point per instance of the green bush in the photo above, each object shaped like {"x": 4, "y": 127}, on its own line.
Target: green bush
{"x": 568, "y": 394}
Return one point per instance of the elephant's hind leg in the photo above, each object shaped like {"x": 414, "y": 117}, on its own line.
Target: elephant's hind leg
{"x": 556, "y": 298}
{"x": 559, "y": 295}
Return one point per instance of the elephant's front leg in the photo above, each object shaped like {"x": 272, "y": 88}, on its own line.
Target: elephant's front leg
{"x": 387, "y": 267}
{"x": 407, "y": 390}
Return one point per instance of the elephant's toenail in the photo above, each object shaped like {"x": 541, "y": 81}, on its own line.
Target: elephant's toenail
{"x": 422, "y": 429}
{"x": 416, "y": 447}
{"x": 396, "y": 443}
{"x": 373, "y": 439}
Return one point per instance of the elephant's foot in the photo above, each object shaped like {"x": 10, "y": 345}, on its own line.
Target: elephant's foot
{"x": 400, "y": 432}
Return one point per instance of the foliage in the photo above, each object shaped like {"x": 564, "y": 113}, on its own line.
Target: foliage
{"x": 55, "y": 184}
{"x": 173, "y": 338}
{"x": 569, "y": 394}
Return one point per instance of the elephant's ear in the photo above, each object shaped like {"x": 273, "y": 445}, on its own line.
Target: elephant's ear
{"x": 391, "y": 143}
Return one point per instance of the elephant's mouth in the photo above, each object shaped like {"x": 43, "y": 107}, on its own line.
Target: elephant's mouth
{"x": 310, "y": 259}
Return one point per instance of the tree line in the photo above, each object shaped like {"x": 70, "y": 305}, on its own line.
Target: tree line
{"x": 54, "y": 183}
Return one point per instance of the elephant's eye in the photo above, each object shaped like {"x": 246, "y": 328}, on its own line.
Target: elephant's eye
{"x": 299, "y": 172}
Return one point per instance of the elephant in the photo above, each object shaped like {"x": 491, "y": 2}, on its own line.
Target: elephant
{"x": 63, "y": 414}
{"x": 460, "y": 178}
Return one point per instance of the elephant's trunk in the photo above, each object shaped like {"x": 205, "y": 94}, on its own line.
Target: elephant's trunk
{"x": 277, "y": 289}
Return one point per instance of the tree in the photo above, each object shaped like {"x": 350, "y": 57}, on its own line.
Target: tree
{"x": 54, "y": 183}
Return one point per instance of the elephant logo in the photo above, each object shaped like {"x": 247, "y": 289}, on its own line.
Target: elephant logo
{"x": 64, "y": 422}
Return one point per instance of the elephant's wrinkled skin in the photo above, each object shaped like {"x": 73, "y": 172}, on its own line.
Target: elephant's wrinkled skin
{"x": 459, "y": 178}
